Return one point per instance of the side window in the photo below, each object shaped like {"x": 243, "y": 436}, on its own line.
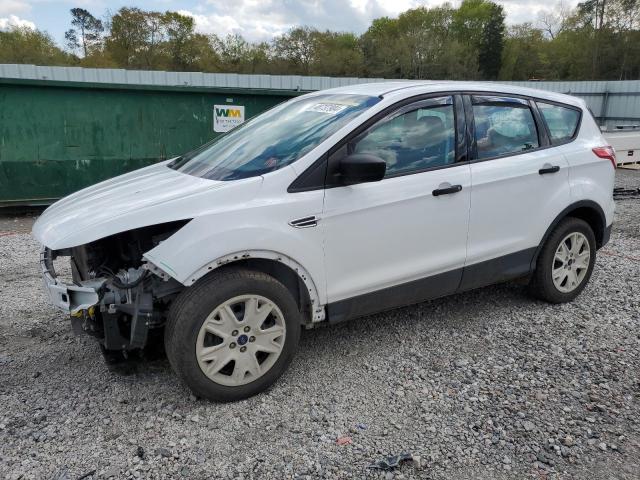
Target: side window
{"x": 413, "y": 140}
{"x": 562, "y": 122}
{"x": 503, "y": 128}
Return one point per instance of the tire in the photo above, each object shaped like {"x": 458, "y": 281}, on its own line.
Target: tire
{"x": 571, "y": 232}
{"x": 235, "y": 337}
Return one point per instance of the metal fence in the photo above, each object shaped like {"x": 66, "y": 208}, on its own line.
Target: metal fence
{"x": 613, "y": 103}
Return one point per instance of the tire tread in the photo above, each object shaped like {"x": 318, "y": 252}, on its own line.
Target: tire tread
{"x": 541, "y": 285}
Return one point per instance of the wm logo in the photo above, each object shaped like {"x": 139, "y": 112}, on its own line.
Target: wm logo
{"x": 228, "y": 112}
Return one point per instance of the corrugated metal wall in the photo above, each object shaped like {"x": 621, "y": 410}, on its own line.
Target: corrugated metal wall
{"x": 612, "y": 102}
{"x": 161, "y": 78}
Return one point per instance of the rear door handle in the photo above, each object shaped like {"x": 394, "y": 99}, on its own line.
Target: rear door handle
{"x": 549, "y": 169}
{"x": 447, "y": 190}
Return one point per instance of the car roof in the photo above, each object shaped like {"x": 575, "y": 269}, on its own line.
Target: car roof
{"x": 408, "y": 88}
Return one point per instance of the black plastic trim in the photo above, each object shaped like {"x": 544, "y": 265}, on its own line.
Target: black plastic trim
{"x": 401, "y": 295}
{"x": 472, "y": 145}
{"x": 502, "y": 99}
{"x": 548, "y": 170}
{"x": 606, "y": 235}
{"x": 544, "y": 140}
{"x": 447, "y": 190}
{"x": 497, "y": 270}
{"x": 501, "y": 269}
{"x": 313, "y": 178}
{"x": 462, "y": 151}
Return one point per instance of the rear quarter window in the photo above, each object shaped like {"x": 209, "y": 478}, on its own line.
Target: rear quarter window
{"x": 562, "y": 122}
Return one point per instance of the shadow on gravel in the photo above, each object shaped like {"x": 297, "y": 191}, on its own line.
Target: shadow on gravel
{"x": 319, "y": 344}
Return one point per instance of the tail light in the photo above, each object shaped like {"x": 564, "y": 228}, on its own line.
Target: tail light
{"x": 608, "y": 153}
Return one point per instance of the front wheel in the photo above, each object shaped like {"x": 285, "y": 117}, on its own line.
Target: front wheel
{"x": 565, "y": 263}
{"x": 233, "y": 334}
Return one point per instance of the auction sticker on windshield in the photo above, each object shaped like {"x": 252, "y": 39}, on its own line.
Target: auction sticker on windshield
{"x": 331, "y": 108}
{"x": 226, "y": 117}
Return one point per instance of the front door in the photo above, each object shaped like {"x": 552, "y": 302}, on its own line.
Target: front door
{"x": 402, "y": 239}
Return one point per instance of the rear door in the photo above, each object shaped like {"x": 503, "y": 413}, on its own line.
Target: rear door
{"x": 519, "y": 186}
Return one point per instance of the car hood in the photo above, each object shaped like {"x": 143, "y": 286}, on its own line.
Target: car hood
{"x": 148, "y": 196}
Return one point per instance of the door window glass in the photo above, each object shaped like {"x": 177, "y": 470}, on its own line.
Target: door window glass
{"x": 504, "y": 129}
{"x": 561, "y": 121}
{"x": 412, "y": 141}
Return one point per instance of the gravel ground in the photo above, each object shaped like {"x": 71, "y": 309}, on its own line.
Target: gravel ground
{"x": 487, "y": 384}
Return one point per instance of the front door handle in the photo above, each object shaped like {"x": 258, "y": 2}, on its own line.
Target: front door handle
{"x": 548, "y": 169}
{"x": 446, "y": 190}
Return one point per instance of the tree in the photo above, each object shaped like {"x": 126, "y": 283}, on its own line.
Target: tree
{"x": 237, "y": 55}
{"x": 24, "y": 45}
{"x": 554, "y": 21}
{"x": 381, "y": 48}
{"x": 524, "y": 54}
{"x": 425, "y": 35}
{"x": 87, "y": 33}
{"x": 337, "y": 54}
{"x": 179, "y": 44}
{"x": 153, "y": 28}
{"x": 480, "y": 23}
{"x": 492, "y": 43}
{"x": 127, "y": 41}
{"x": 599, "y": 39}
{"x": 297, "y": 48}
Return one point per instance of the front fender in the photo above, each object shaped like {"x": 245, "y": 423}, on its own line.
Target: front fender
{"x": 211, "y": 241}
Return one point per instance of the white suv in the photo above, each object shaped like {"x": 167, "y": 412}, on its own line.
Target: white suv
{"x": 333, "y": 205}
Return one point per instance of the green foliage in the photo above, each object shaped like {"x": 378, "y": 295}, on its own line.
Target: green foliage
{"x": 420, "y": 43}
{"x": 380, "y": 46}
{"x": 599, "y": 39}
{"x": 492, "y": 43}
{"x": 23, "y": 45}
{"x": 337, "y": 55}
{"x": 525, "y": 54}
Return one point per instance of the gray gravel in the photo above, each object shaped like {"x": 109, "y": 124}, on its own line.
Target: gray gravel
{"x": 487, "y": 384}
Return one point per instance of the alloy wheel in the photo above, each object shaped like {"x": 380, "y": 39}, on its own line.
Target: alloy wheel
{"x": 240, "y": 340}
{"x": 571, "y": 262}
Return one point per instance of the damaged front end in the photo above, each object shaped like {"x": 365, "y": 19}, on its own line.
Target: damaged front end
{"x": 113, "y": 295}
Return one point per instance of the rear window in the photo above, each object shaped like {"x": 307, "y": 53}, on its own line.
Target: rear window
{"x": 562, "y": 122}
{"x": 503, "y": 129}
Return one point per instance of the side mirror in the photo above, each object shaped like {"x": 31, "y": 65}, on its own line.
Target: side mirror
{"x": 361, "y": 168}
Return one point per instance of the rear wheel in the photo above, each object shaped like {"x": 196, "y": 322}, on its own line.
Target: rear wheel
{"x": 233, "y": 334}
{"x": 565, "y": 263}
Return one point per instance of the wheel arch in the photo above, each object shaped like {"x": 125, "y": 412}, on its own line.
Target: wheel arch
{"x": 586, "y": 210}
{"x": 282, "y": 267}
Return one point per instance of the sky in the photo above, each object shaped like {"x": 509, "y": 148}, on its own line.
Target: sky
{"x": 256, "y": 20}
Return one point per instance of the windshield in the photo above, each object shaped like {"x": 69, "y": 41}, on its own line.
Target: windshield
{"x": 274, "y": 139}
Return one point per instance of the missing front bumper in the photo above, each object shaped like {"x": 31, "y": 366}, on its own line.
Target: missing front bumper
{"x": 68, "y": 298}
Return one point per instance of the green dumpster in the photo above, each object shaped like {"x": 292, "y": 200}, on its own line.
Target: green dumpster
{"x": 58, "y": 137}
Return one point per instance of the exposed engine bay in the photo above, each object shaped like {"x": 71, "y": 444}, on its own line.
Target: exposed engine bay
{"x": 115, "y": 297}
